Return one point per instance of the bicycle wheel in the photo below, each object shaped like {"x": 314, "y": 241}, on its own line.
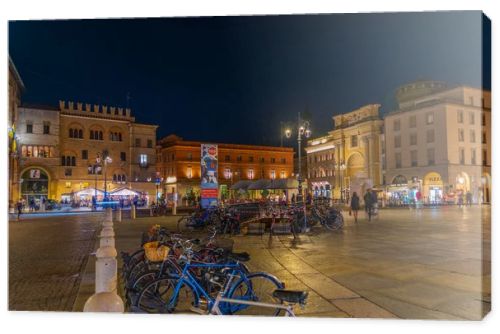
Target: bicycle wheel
{"x": 335, "y": 223}
{"x": 165, "y": 296}
{"x": 257, "y": 287}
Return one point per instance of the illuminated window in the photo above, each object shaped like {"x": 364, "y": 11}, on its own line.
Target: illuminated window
{"x": 68, "y": 184}
{"x": 189, "y": 172}
{"x": 273, "y": 174}
{"x": 282, "y": 174}
{"x": 227, "y": 173}
{"x": 143, "y": 159}
{"x": 250, "y": 174}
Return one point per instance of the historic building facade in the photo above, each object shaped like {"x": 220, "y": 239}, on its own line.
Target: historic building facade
{"x": 348, "y": 159}
{"x": 438, "y": 142}
{"x": 178, "y": 162}
{"x": 61, "y": 151}
{"x": 16, "y": 87}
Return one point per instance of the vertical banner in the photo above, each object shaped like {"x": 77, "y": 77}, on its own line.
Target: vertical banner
{"x": 209, "y": 181}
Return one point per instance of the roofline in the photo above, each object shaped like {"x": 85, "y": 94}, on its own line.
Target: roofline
{"x": 17, "y": 76}
{"x": 227, "y": 145}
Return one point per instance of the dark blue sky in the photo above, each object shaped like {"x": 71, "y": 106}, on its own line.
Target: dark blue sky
{"x": 233, "y": 79}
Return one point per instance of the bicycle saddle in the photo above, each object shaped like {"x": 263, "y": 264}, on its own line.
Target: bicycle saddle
{"x": 242, "y": 257}
{"x": 291, "y": 296}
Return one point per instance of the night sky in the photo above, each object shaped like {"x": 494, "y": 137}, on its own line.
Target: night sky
{"x": 233, "y": 79}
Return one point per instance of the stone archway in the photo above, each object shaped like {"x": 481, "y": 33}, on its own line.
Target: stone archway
{"x": 34, "y": 184}
{"x": 485, "y": 194}
{"x": 356, "y": 175}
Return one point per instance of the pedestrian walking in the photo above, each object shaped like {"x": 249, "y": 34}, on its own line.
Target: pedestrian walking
{"x": 460, "y": 200}
{"x": 19, "y": 208}
{"x": 468, "y": 198}
{"x": 355, "y": 206}
{"x": 368, "y": 203}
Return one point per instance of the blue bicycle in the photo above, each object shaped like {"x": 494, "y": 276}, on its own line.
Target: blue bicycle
{"x": 183, "y": 292}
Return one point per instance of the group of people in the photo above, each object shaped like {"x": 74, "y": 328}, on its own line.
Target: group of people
{"x": 370, "y": 200}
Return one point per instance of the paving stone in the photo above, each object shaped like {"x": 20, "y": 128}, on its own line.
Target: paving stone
{"x": 362, "y": 308}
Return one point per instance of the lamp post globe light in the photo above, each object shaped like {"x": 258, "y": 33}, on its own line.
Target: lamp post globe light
{"x": 303, "y": 131}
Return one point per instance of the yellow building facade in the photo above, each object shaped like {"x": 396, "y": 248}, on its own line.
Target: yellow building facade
{"x": 61, "y": 152}
{"x": 348, "y": 159}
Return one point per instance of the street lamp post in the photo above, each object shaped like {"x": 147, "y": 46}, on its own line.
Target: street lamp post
{"x": 342, "y": 167}
{"x": 303, "y": 130}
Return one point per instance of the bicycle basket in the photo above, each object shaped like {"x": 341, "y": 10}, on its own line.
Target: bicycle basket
{"x": 154, "y": 252}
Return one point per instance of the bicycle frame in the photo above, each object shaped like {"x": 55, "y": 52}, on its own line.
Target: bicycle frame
{"x": 188, "y": 279}
{"x": 215, "y": 310}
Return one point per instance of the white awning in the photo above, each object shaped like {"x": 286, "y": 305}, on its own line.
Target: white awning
{"x": 124, "y": 192}
{"x": 89, "y": 192}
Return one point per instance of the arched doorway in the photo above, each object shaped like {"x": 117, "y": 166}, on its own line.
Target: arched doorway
{"x": 34, "y": 185}
{"x": 433, "y": 188}
{"x": 355, "y": 175}
{"x": 485, "y": 188}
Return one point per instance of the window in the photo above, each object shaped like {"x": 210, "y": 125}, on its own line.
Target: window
{"x": 413, "y": 138}
{"x": 29, "y": 128}
{"x": 461, "y": 155}
{"x": 413, "y": 121}
{"x": 91, "y": 135}
{"x": 283, "y": 160}
{"x": 484, "y": 137}
{"x": 460, "y": 116}
{"x": 430, "y": 136}
{"x": 250, "y": 174}
{"x": 227, "y": 173}
{"x": 483, "y": 119}
{"x": 85, "y": 154}
{"x": 472, "y": 118}
{"x": 485, "y": 158}
{"x": 115, "y": 136}
{"x": 190, "y": 156}
{"x": 398, "y": 160}
{"x": 429, "y": 118}
{"x": 68, "y": 184}
{"x": 262, "y": 159}
{"x": 227, "y": 158}
{"x": 460, "y": 134}
{"x": 239, "y": 158}
{"x": 282, "y": 174}
{"x": 95, "y": 135}
{"x": 354, "y": 141}
{"x": 430, "y": 156}
{"x": 397, "y": 141}
{"x": 123, "y": 156}
{"x": 473, "y": 156}
{"x": 396, "y": 125}
{"x": 273, "y": 160}
{"x": 143, "y": 159}
{"x": 37, "y": 151}
{"x": 250, "y": 159}
{"x": 46, "y": 128}
{"x": 189, "y": 172}
{"x": 150, "y": 143}
{"x": 273, "y": 174}
{"x": 472, "y": 135}
{"x": 413, "y": 155}
{"x": 68, "y": 160}
{"x": 68, "y": 172}
{"x": 137, "y": 142}
{"x": 471, "y": 100}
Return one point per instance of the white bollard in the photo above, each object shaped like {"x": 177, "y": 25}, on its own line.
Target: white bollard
{"x": 118, "y": 215}
{"x": 106, "y": 270}
{"x": 104, "y": 302}
{"x": 132, "y": 211}
{"x": 105, "y": 298}
{"x": 108, "y": 216}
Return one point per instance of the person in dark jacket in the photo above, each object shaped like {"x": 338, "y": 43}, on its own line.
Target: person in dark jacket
{"x": 368, "y": 198}
{"x": 355, "y": 206}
